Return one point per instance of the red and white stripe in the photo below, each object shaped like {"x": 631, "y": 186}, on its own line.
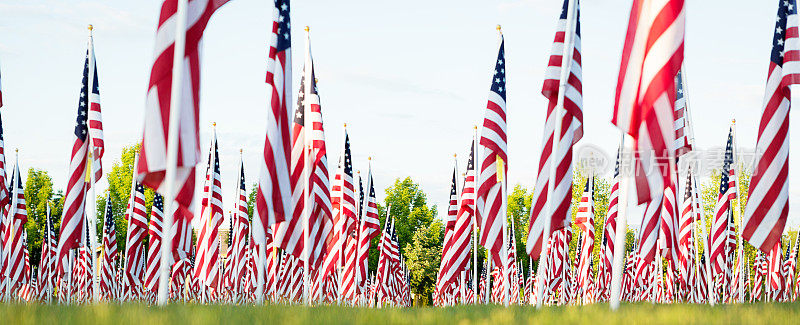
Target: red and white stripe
{"x": 14, "y": 234}
{"x": 768, "y": 199}
{"x": 152, "y": 163}
{"x": 369, "y": 228}
{"x": 155, "y": 232}
{"x": 95, "y": 118}
{"x": 211, "y": 217}
{"x": 108, "y": 284}
{"x": 137, "y": 229}
{"x": 273, "y": 202}
{"x": 651, "y": 57}
{"x": 571, "y": 126}
{"x": 584, "y": 219}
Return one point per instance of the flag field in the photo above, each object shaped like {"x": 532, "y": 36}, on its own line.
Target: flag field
{"x": 639, "y": 313}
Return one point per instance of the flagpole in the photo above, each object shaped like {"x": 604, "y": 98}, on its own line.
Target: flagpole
{"x": 709, "y": 281}
{"x": 620, "y": 230}
{"x": 91, "y": 213}
{"x": 179, "y": 53}
{"x": 307, "y": 151}
{"x": 10, "y": 217}
{"x": 738, "y": 212}
{"x": 566, "y": 60}
{"x": 342, "y": 234}
{"x": 475, "y": 216}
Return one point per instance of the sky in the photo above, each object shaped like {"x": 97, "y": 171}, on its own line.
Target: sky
{"x": 410, "y": 79}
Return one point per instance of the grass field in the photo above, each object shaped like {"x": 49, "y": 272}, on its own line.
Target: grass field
{"x": 644, "y": 313}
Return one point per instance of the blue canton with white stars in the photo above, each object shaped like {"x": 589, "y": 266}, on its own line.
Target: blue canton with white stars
{"x": 284, "y": 25}
{"x": 348, "y": 161}
{"x": 785, "y": 8}
{"x": 158, "y": 202}
{"x": 499, "y": 79}
{"x": 577, "y": 17}
{"x": 81, "y": 128}
{"x": 726, "y": 165}
{"x": 241, "y": 180}
{"x": 679, "y": 83}
{"x": 109, "y": 217}
{"x": 471, "y": 160}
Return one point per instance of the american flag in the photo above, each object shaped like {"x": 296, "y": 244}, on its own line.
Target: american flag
{"x": 273, "y": 202}
{"x": 134, "y": 241}
{"x": 348, "y": 289}
{"x": 493, "y": 161}
{"x": 453, "y": 253}
{"x": 584, "y": 219}
{"x": 768, "y": 198}
{"x": 571, "y": 126}
{"x": 685, "y": 237}
{"x": 647, "y": 237}
{"x": 370, "y": 226}
{"x": 211, "y": 216}
{"x": 47, "y": 259}
{"x": 72, "y": 219}
{"x": 458, "y": 258}
{"x": 95, "y": 120}
{"x": 774, "y": 272}
{"x": 643, "y": 107}
{"x": 152, "y": 165}
{"x": 343, "y": 204}
{"x": 727, "y": 192}
{"x": 14, "y": 229}
{"x": 240, "y": 230}
{"x": 309, "y": 160}
{"x": 683, "y": 129}
{"x": 156, "y": 237}
{"x": 108, "y": 284}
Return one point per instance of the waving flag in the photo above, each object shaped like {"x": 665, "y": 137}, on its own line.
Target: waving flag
{"x": 156, "y": 232}
{"x": 571, "y": 126}
{"x": 273, "y": 201}
{"x": 644, "y": 104}
{"x": 768, "y": 198}
{"x": 493, "y": 161}
{"x": 14, "y": 223}
{"x": 211, "y": 215}
{"x": 727, "y": 192}
{"x": 72, "y": 218}
{"x": 152, "y": 165}
{"x": 108, "y": 284}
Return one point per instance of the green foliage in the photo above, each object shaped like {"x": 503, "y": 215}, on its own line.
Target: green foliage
{"x": 424, "y": 253}
{"x": 412, "y": 216}
{"x": 38, "y": 195}
{"x": 119, "y": 190}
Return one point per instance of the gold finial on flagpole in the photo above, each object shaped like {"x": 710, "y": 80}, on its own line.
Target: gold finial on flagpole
{"x": 214, "y": 124}
{"x": 733, "y": 121}
{"x": 307, "y": 29}
{"x": 474, "y": 127}
{"x": 240, "y": 150}
{"x": 455, "y": 155}
{"x": 91, "y": 27}
{"x": 345, "y": 125}
{"x": 16, "y": 150}
{"x": 369, "y": 158}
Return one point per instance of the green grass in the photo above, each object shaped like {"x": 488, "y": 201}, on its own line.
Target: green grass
{"x": 643, "y": 313}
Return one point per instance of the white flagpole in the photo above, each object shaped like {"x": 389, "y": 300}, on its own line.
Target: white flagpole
{"x": 307, "y": 148}
{"x": 12, "y": 210}
{"x": 620, "y": 230}
{"x": 738, "y": 211}
{"x": 475, "y": 216}
{"x": 342, "y": 235}
{"x": 709, "y": 277}
{"x": 178, "y": 61}
{"x": 91, "y": 213}
{"x": 566, "y": 62}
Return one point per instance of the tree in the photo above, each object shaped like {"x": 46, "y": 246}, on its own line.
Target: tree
{"x": 424, "y": 254}
{"x": 518, "y": 214}
{"x": 410, "y": 211}
{"x": 38, "y": 194}
{"x": 119, "y": 189}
